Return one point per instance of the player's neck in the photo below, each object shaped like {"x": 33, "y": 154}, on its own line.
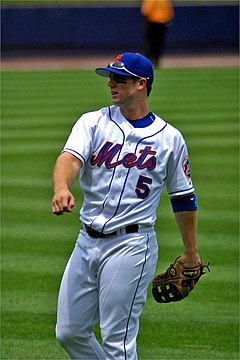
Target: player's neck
{"x": 135, "y": 112}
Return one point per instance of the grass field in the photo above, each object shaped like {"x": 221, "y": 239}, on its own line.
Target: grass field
{"x": 38, "y": 110}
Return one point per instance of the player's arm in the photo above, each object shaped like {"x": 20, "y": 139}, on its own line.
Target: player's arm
{"x": 66, "y": 170}
{"x": 187, "y": 224}
{"x": 185, "y": 211}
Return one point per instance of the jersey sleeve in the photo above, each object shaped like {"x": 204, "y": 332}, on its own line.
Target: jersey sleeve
{"x": 79, "y": 142}
{"x": 179, "y": 180}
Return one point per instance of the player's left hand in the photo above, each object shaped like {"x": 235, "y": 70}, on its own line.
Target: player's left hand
{"x": 189, "y": 261}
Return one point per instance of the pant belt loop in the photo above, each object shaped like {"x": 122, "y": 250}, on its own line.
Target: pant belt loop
{"x": 121, "y": 231}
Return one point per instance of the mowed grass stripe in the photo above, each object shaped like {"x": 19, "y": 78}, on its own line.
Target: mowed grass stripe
{"x": 36, "y": 145}
{"x": 43, "y": 206}
{"x": 197, "y": 130}
{"x": 203, "y": 104}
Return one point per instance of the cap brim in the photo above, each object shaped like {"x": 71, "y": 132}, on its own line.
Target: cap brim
{"x": 105, "y": 72}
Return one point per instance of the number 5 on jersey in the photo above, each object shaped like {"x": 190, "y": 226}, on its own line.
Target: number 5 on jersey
{"x": 142, "y": 189}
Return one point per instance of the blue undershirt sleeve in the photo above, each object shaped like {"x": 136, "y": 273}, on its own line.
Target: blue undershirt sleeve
{"x": 184, "y": 203}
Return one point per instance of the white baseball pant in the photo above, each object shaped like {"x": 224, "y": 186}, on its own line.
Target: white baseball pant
{"x": 106, "y": 280}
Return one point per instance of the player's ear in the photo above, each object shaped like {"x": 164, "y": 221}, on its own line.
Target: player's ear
{"x": 142, "y": 83}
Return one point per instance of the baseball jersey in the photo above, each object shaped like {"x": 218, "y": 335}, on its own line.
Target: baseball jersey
{"x": 125, "y": 168}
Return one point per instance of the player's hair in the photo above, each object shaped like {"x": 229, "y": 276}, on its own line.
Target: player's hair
{"x": 149, "y": 86}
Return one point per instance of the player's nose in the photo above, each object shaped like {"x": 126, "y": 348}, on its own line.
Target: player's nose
{"x": 111, "y": 83}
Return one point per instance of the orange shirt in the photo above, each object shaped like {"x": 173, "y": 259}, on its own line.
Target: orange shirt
{"x": 158, "y": 11}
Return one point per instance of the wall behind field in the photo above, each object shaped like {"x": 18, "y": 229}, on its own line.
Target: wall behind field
{"x": 82, "y": 29}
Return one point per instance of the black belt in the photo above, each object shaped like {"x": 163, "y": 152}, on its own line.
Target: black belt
{"x": 126, "y": 230}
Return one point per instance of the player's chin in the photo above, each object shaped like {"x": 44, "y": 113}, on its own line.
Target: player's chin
{"x": 115, "y": 98}
{"x": 116, "y": 102}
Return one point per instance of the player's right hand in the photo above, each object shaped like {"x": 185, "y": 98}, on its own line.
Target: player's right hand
{"x": 62, "y": 202}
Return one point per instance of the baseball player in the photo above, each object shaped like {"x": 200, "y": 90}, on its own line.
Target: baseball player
{"x": 124, "y": 155}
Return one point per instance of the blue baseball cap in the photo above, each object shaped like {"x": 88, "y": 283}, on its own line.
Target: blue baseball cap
{"x": 129, "y": 64}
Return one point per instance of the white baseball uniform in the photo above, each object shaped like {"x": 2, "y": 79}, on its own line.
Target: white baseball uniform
{"x": 124, "y": 171}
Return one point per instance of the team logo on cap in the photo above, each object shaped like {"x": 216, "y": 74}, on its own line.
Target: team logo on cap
{"x": 186, "y": 166}
{"x": 118, "y": 58}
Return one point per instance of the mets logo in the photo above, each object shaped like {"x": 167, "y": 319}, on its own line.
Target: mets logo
{"x": 145, "y": 158}
{"x": 186, "y": 166}
{"x": 118, "y": 58}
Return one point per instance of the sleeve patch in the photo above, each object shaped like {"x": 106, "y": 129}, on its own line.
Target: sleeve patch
{"x": 186, "y": 166}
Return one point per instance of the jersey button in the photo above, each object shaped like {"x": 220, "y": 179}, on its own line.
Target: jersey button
{"x": 113, "y": 197}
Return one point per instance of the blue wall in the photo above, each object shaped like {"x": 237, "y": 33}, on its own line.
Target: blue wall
{"x": 82, "y": 29}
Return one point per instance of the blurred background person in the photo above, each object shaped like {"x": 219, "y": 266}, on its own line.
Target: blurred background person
{"x": 157, "y": 15}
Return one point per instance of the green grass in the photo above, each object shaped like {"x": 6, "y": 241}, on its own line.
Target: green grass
{"x": 38, "y": 111}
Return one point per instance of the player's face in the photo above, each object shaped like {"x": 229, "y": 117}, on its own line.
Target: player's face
{"x": 123, "y": 89}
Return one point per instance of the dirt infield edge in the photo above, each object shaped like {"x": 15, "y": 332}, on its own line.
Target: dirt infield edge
{"x": 90, "y": 62}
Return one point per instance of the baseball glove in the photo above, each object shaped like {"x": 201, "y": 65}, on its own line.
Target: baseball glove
{"x": 176, "y": 282}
